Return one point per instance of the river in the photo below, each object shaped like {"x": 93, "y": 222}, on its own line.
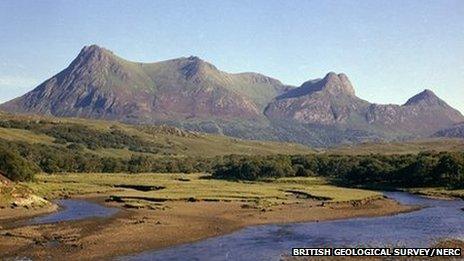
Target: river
{"x": 74, "y": 210}
{"x": 438, "y": 219}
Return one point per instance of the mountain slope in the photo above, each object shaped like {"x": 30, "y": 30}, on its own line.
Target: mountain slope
{"x": 328, "y": 101}
{"x": 457, "y": 131}
{"x": 193, "y": 94}
{"x": 114, "y": 139}
{"x": 95, "y": 84}
{"x": 423, "y": 114}
{"x": 331, "y": 101}
{"x": 98, "y": 84}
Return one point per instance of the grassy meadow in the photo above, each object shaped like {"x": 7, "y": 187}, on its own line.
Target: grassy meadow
{"x": 60, "y": 145}
{"x": 193, "y": 187}
{"x": 159, "y": 140}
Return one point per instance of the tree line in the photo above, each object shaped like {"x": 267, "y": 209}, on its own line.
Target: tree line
{"x": 21, "y": 160}
{"x": 412, "y": 170}
{"x": 90, "y": 138}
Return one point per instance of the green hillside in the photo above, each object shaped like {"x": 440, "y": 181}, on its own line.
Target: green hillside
{"x": 120, "y": 140}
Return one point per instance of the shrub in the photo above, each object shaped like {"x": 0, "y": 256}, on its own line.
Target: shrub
{"x": 15, "y": 167}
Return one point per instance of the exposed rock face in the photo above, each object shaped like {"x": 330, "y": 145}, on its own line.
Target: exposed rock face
{"x": 425, "y": 98}
{"x": 193, "y": 94}
{"x": 98, "y": 84}
{"x": 332, "y": 101}
{"x": 422, "y": 114}
{"x": 190, "y": 87}
{"x": 327, "y": 101}
{"x": 457, "y": 131}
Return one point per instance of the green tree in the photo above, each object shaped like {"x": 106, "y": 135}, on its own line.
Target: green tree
{"x": 451, "y": 169}
{"x": 15, "y": 167}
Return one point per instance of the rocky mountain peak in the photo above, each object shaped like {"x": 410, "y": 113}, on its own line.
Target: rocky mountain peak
{"x": 94, "y": 51}
{"x": 332, "y": 83}
{"x": 193, "y": 65}
{"x": 337, "y": 83}
{"x": 93, "y": 55}
{"x": 189, "y": 91}
{"x": 426, "y": 97}
{"x": 194, "y": 58}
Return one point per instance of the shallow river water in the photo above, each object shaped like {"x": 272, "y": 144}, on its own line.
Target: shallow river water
{"x": 74, "y": 210}
{"x": 439, "y": 219}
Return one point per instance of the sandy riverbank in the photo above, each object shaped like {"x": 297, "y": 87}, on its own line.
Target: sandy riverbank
{"x": 9, "y": 214}
{"x": 136, "y": 230}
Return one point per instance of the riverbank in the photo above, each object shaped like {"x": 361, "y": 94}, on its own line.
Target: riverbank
{"x": 136, "y": 230}
{"x": 438, "y": 193}
{"x": 17, "y": 201}
{"x": 10, "y": 214}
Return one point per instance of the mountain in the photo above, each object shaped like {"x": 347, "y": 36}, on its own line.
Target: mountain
{"x": 98, "y": 84}
{"x": 456, "y": 131}
{"x": 327, "y": 101}
{"x": 332, "y": 101}
{"x": 423, "y": 114}
{"x": 193, "y": 94}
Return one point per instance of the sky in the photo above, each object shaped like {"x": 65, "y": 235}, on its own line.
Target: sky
{"x": 390, "y": 50}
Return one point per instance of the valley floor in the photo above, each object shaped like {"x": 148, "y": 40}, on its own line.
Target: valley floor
{"x": 176, "y": 209}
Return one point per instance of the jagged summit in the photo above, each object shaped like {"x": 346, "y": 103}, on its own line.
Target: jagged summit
{"x": 426, "y": 97}
{"x": 94, "y": 59}
{"x": 337, "y": 83}
{"x": 332, "y": 83}
{"x": 192, "y": 93}
{"x": 193, "y": 65}
{"x": 94, "y": 51}
{"x": 94, "y": 48}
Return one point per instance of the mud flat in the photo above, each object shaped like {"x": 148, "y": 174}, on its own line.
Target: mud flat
{"x": 136, "y": 230}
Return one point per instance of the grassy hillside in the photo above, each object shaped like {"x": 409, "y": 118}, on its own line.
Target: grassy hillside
{"x": 114, "y": 139}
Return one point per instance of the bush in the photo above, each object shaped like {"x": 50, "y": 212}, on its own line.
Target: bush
{"x": 15, "y": 167}
{"x": 425, "y": 169}
{"x": 301, "y": 171}
{"x": 451, "y": 169}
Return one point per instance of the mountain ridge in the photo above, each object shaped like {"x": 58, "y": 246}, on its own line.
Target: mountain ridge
{"x": 195, "y": 94}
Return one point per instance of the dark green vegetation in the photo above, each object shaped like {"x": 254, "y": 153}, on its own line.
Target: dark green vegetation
{"x": 30, "y": 144}
{"x": 445, "y": 169}
{"x": 14, "y": 167}
{"x": 404, "y": 147}
{"x": 36, "y": 144}
{"x": 74, "y": 158}
{"x": 79, "y": 136}
{"x": 193, "y": 94}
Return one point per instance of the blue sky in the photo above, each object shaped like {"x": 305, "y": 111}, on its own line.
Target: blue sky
{"x": 390, "y": 49}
